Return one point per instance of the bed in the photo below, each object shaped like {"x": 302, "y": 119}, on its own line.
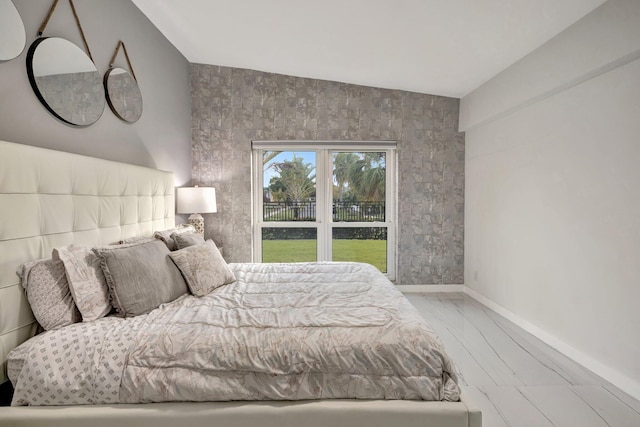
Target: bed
{"x": 51, "y": 199}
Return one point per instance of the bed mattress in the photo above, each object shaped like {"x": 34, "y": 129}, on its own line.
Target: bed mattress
{"x": 280, "y": 332}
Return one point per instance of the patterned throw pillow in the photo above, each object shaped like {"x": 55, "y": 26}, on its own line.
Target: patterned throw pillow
{"x": 86, "y": 280}
{"x": 203, "y": 268}
{"x": 48, "y": 293}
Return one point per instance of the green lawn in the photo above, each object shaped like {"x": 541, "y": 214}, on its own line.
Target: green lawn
{"x": 370, "y": 251}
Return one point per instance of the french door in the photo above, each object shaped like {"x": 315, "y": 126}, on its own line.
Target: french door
{"x": 325, "y": 201}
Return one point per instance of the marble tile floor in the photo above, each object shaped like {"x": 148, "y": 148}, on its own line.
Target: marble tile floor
{"x": 516, "y": 379}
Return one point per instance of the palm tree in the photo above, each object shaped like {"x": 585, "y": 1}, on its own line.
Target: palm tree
{"x": 342, "y": 164}
{"x": 296, "y": 179}
{"x": 267, "y": 156}
{"x": 367, "y": 176}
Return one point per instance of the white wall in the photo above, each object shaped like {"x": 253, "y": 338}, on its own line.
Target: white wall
{"x": 552, "y": 195}
{"x": 160, "y": 139}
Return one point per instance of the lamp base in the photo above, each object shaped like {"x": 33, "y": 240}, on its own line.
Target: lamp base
{"x": 198, "y": 223}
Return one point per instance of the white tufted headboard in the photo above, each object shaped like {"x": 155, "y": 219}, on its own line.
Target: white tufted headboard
{"x": 49, "y": 199}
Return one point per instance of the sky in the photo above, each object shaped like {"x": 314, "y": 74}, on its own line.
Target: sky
{"x": 307, "y": 156}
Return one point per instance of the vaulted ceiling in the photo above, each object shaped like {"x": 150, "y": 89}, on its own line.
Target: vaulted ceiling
{"x": 441, "y": 47}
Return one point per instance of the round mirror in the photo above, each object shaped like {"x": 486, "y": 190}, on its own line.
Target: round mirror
{"x": 123, "y": 94}
{"x": 12, "y": 33}
{"x": 66, "y": 81}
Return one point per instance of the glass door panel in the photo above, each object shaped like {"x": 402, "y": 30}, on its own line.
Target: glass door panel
{"x": 360, "y": 244}
{"x": 289, "y": 185}
{"x": 289, "y": 244}
{"x": 359, "y": 186}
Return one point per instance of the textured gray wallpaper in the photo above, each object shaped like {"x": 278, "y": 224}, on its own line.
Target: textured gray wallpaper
{"x": 230, "y": 107}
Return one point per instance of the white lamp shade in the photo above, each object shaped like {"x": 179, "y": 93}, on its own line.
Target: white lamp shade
{"x": 196, "y": 200}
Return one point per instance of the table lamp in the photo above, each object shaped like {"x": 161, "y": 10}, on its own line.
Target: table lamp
{"x": 195, "y": 201}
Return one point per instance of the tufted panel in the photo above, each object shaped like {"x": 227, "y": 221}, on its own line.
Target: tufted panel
{"x": 51, "y": 198}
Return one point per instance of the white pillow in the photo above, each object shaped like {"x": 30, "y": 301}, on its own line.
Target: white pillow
{"x": 86, "y": 280}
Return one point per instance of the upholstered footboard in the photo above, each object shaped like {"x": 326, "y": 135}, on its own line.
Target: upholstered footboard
{"x": 319, "y": 413}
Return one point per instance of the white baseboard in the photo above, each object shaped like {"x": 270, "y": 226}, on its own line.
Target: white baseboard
{"x": 410, "y": 289}
{"x": 619, "y": 380}
{"x": 616, "y": 378}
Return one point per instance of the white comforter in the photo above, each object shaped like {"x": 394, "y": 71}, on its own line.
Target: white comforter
{"x": 282, "y": 331}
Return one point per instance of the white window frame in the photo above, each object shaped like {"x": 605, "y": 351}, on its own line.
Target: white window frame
{"x": 324, "y": 195}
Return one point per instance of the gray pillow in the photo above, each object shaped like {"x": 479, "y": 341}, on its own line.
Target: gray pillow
{"x": 141, "y": 277}
{"x": 203, "y": 267}
{"x": 165, "y": 235}
{"x": 187, "y": 239}
{"x": 136, "y": 239}
{"x": 48, "y": 293}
